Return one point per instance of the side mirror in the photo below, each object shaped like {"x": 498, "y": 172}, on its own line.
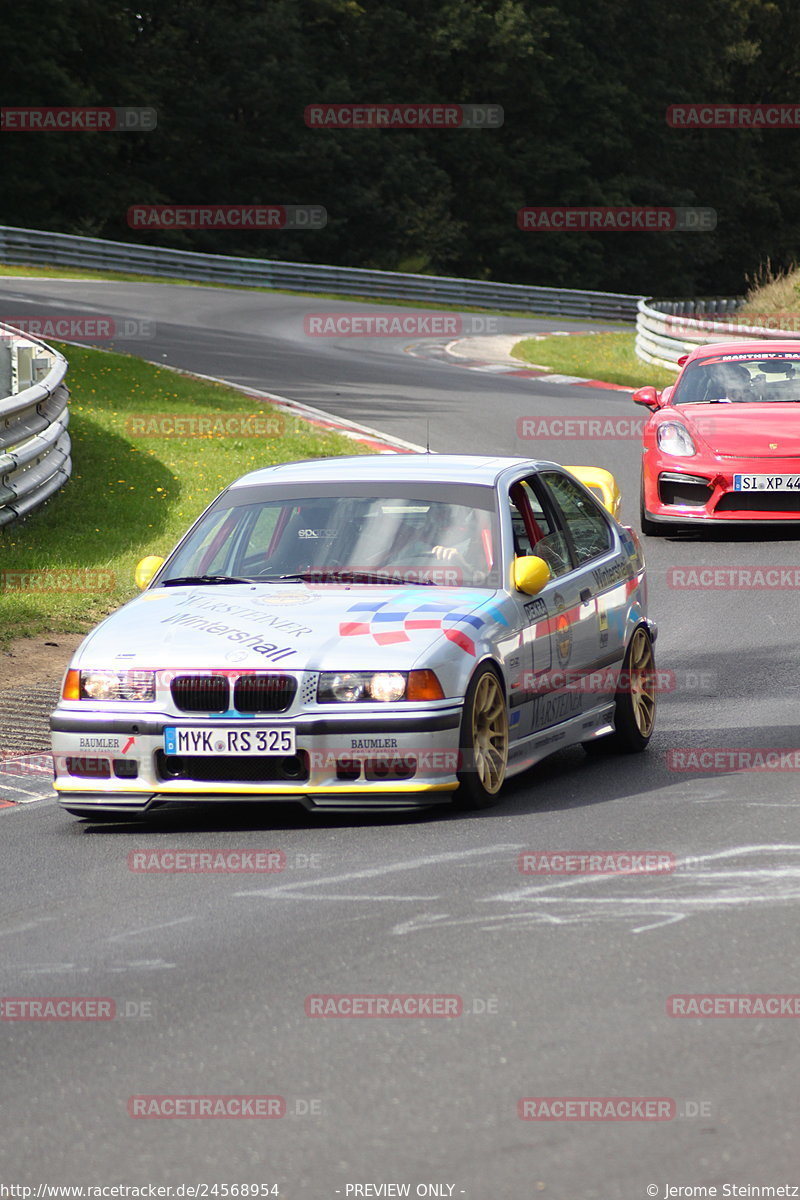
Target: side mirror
{"x": 146, "y": 568}
{"x": 530, "y": 574}
{"x": 648, "y": 396}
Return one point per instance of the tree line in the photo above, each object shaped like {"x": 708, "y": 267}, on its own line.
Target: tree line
{"x": 584, "y": 91}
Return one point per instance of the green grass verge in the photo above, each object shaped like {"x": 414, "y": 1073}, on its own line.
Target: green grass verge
{"x": 29, "y": 272}
{"x": 131, "y": 494}
{"x": 607, "y": 356}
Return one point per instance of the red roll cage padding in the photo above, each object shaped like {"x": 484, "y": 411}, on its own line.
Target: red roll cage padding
{"x": 519, "y": 498}
{"x": 486, "y": 540}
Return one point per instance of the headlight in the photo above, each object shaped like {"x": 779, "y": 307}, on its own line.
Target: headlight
{"x": 349, "y": 687}
{"x": 674, "y": 438}
{"x": 110, "y": 685}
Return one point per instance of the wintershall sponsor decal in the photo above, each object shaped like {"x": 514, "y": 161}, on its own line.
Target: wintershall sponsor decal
{"x": 184, "y": 425}
{"x": 388, "y": 1005}
{"x": 207, "y": 1107}
{"x": 403, "y": 116}
{"x": 705, "y": 1004}
{"x": 199, "y": 599}
{"x": 596, "y": 1108}
{"x": 77, "y": 120}
{"x": 595, "y": 862}
{"x": 206, "y": 861}
{"x": 72, "y": 579}
{"x": 57, "y": 1008}
{"x": 734, "y": 116}
{"x": 227, "y": 216}
{"x": 405, "y": 324}
{"x": 76, "y": 328}
{"x": 731, "y": 759}
{"x": 581, "y": 428}
{"x": 733, "y": 577}
{"x": 623, "y": 219}
{"x": 241, "y": 637}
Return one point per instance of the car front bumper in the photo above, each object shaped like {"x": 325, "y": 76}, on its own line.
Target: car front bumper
{"x": 695, "y": 492}
{"x": 116, "y": 762}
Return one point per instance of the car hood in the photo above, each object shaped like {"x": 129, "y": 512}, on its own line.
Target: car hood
{"x": 745, "y": 430}
{"x": 290, "y": 627}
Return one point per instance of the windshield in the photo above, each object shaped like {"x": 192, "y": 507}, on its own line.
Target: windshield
{"x": 773, "y": 377}
{"x": 415, "y": 536}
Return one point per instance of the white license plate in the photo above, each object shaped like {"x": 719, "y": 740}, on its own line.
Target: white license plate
{"x": 766, "y": 483}
{"x": 227, "y": 739}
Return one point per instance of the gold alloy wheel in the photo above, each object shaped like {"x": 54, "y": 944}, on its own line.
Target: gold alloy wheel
{"x": 490, "y": 733}
{"x": 642, "y": 680}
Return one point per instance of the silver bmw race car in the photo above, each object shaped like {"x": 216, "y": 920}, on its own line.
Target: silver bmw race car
{"x": 376, "y": 632}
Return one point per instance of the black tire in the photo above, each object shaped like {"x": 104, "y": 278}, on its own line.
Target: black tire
{"x": 483, "y": 741}
{"x": 635, "y": 702}
{"x": 651, "y": 528}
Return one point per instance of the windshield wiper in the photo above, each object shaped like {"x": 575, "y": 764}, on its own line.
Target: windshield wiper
{"x": 337, "y": 576}
{"x": 183, "y": 579}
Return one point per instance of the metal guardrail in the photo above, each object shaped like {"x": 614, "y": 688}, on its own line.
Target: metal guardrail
{"x": 36, "y": 247}
{"x": 668, "y": 329}
{"x": 34, "y": 443}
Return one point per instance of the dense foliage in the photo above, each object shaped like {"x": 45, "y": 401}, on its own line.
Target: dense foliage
{"x": 585, "y": 89}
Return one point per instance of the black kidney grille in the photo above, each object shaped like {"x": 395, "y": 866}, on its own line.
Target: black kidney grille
{"x": 201, "y": 693}
{"x": 263, "y": 693}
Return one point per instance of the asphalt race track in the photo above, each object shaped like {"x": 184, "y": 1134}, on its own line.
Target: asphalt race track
{"x": 564, "y": 981}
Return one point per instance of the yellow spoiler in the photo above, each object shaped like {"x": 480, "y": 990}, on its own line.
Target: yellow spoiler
{"x": 603, "y": 483}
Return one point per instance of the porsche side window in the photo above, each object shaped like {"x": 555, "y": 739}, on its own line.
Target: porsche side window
{"x": 588, "y": 527}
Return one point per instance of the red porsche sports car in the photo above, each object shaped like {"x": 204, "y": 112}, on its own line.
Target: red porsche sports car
{"x": 723, "y": 443}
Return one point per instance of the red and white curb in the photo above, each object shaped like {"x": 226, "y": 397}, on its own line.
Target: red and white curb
{"x": 446, "y": 352}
